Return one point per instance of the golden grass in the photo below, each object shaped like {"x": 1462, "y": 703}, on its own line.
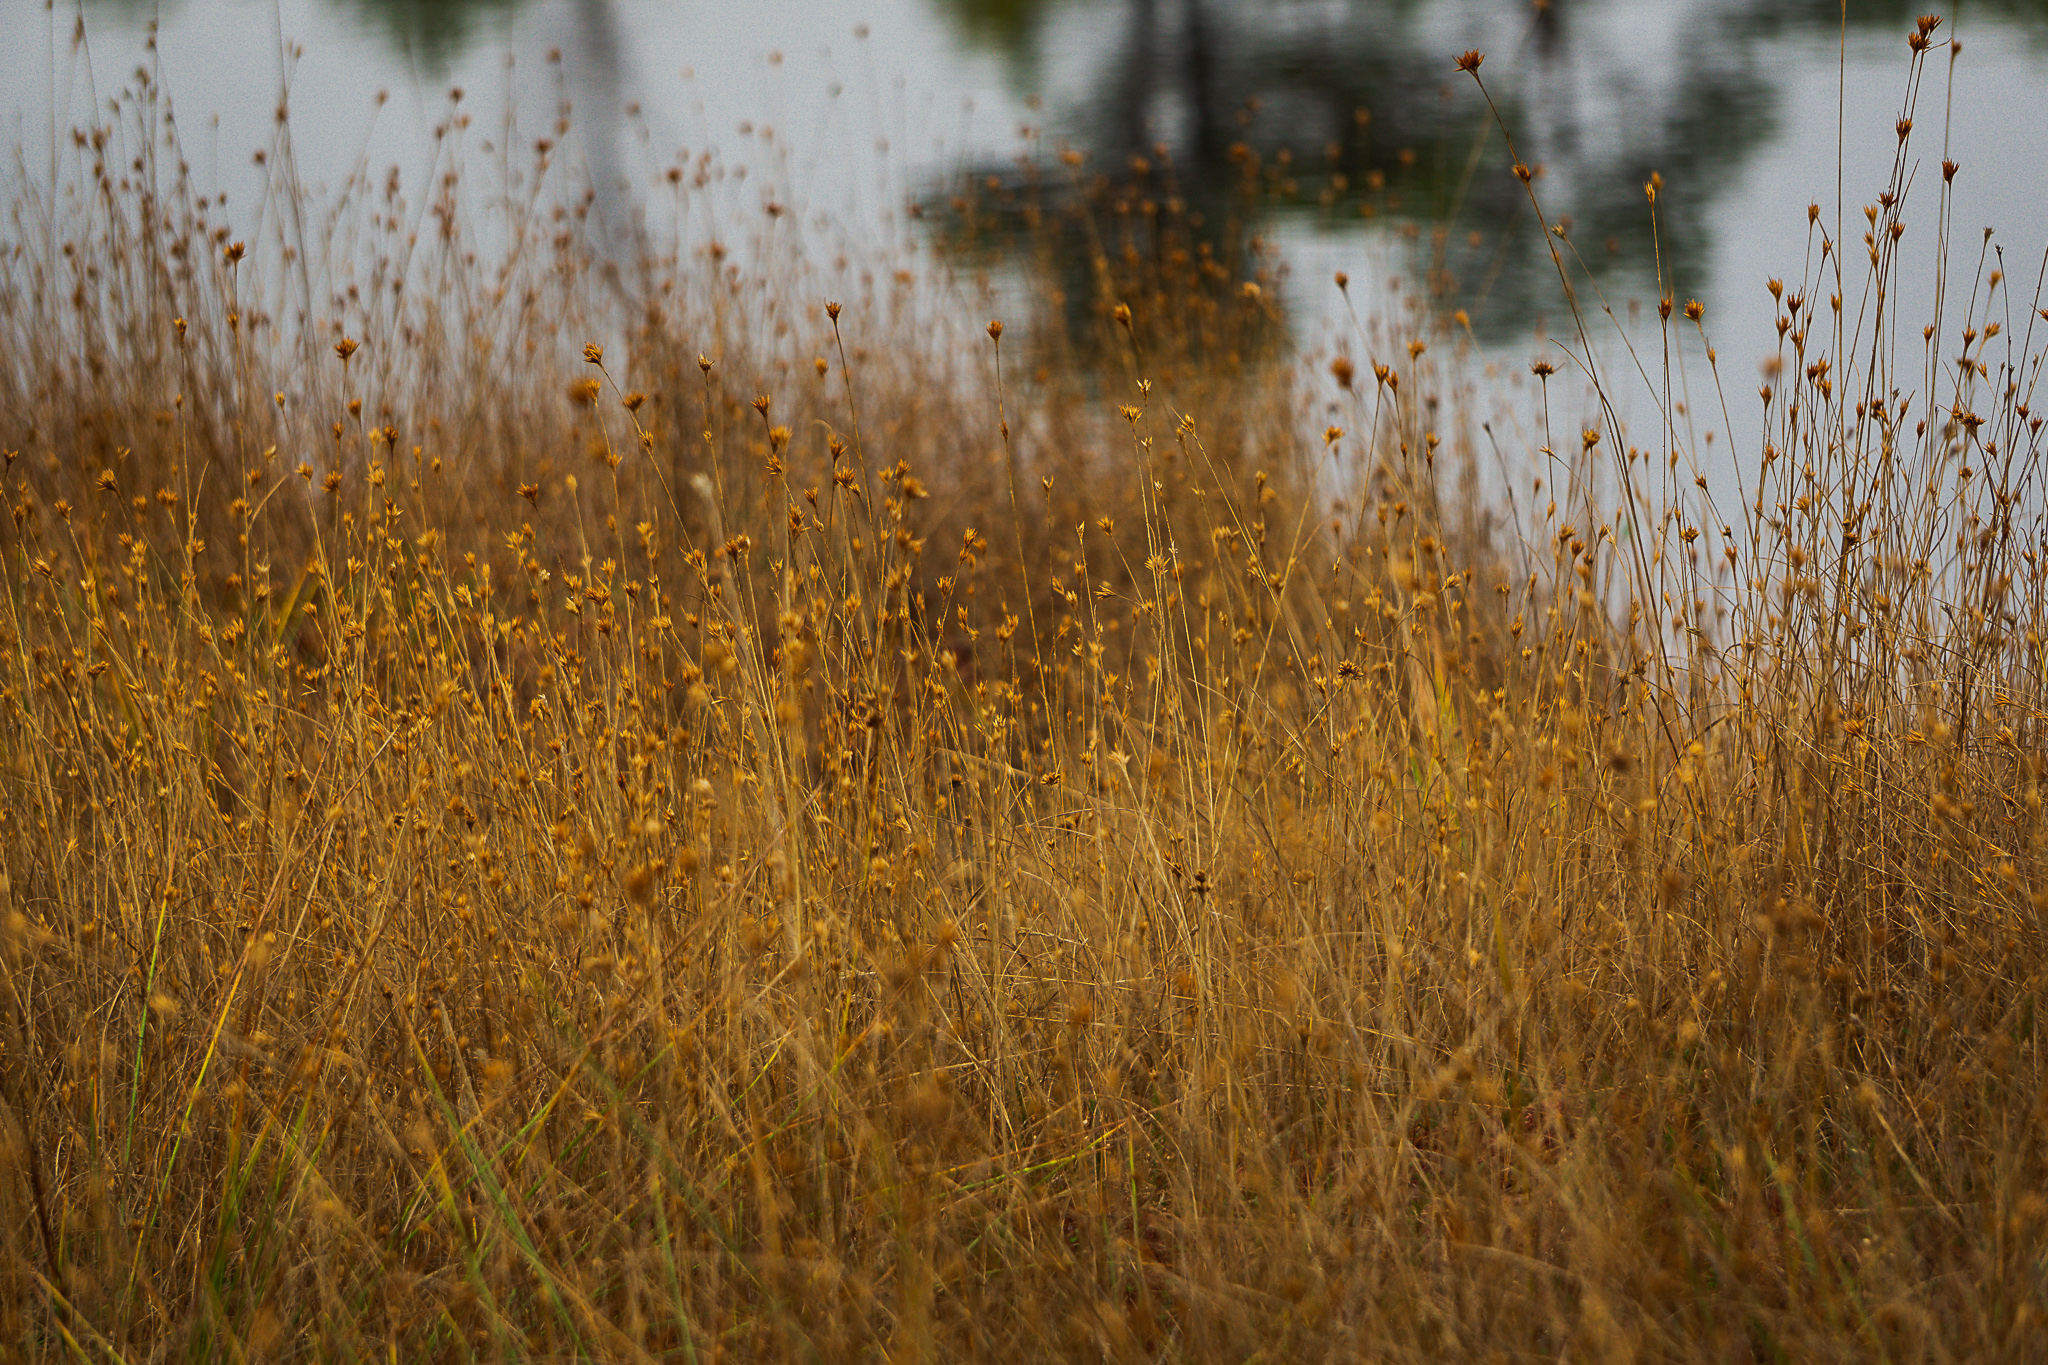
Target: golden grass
{"x": 499, "y": 868}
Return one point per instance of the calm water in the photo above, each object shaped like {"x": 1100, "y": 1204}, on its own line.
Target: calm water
{"x": 847, "y": 110}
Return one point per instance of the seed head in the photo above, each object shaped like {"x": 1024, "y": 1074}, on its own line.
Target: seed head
{"x": 640, "y": 884}
{"x": 344, "y": 348}
{"x": 995, "y": 329}
{"x": 1470, "y": 61}
{"x": 594, "y": 353}
{"x": 927, "y": 1105}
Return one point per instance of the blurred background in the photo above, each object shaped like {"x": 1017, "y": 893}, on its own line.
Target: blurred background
{"x": 857, "y": 123}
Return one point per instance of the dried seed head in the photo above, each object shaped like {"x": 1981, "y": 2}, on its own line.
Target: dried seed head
{"x": 928, "y": 1105}
{"x": 640, "y": 884}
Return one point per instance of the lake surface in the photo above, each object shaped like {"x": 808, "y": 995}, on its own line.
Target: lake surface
{"x": 844, "y": 112}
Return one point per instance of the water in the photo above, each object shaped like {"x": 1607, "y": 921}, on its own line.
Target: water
{"x": 842, "y": 114}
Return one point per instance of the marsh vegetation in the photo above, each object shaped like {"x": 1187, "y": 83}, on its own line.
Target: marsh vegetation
{"x": 541, "y": 821}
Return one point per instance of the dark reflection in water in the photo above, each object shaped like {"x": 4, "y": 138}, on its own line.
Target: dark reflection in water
{"x": 431, "y": 33}
{"x": 599, "y": 74}
{"x": 1363, "y": 122}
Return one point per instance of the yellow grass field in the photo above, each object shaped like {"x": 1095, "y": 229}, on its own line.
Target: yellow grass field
{"x": 545, "y": 821}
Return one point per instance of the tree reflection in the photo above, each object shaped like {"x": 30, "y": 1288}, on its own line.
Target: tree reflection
{"x": 432, "y": 32}
{"x": 1358, "y": 107}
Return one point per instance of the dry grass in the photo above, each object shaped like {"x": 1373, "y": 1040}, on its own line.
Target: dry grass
{"x": 495, "y": 868}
